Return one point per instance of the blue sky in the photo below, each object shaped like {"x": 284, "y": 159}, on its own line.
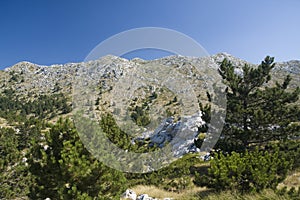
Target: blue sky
{"x": 58, "y": 31}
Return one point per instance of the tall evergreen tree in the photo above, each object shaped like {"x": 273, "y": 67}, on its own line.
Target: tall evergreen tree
{"x": 257, "y": 112}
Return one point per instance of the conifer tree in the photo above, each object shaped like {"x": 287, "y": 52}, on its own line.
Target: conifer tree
{"x": 64, "y": 169}
{"x": 257, "y": 112}
{"x": 15, "y": 181}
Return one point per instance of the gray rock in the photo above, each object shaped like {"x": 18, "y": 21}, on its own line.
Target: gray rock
{"x": 145, "y": 197}
{"x": 179, "y": 134}
{"x": 129, "y": 194}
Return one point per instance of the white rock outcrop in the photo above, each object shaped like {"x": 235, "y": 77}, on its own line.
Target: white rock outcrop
{"x": 180, "y": 134}
{"x": 129, "y": 194}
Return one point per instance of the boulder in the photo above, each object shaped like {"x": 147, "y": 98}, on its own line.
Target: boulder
{"x": 145, "y": 197}
{"x": 129, "y": 194}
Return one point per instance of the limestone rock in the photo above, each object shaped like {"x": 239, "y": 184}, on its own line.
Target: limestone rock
{"x": 129, "y": 194}
{"x": 179, "y": 134}
{"x": 145, "y": 197}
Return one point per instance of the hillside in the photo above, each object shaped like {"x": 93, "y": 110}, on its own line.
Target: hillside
{"x": 126, "y": 85}
{"x": 143, "y": 106}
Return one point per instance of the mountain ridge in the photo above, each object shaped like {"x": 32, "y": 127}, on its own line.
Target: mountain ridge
{"x": 217, "y": 56}
{"x": 26, "y": 76}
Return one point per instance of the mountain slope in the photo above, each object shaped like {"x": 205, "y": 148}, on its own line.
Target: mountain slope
{"x": 160, "y": 97}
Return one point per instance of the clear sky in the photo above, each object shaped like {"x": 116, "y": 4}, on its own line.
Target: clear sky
{"x": 60, "y": 31}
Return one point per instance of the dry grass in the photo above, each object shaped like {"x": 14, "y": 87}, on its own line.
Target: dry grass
{"x": 160, "y": 193}
{"x": 4, "y": 123}
{"x": 206, "y": 194}
{"x": 265, "y": 195}
{"x": 292, "y": 180}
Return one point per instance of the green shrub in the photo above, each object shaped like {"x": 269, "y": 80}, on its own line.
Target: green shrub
{"x": 175, "y": 177}
{"x": 247, "y": 172}
{"x": 140, "y": 116}
{"x": 64, "y": 169}
{"x": 14, "y": 178}
{"x": 289, "y": 149}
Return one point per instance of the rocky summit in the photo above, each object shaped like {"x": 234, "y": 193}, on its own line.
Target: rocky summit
{"x": 27, "y": 77}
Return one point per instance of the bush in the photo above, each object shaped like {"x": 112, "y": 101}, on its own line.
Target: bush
{"x": 15, "y": 181}
{"x": 64, "y": 169}
{"x": 289, "y": 149}
{"x": 248, "y": 172}
{"x": 140, "y": 116}
{"x": 175, "y": 177}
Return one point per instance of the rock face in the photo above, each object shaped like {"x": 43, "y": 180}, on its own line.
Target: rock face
{"x": 180, "y": 134}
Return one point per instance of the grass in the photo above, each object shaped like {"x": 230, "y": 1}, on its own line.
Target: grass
{"x": 206, "y": 194}
{"x": 194, "y": 193}
{"x": 229, "y": 195}
{"x": 292, "y": 180}
{"x": 160, "y": 193}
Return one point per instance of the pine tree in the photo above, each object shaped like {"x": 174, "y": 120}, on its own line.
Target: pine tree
{"x": 248, "y": 171}
{"x": 15, "y": 181}
{"x": 257, "y": 112}
{"x": 64, "y": 169}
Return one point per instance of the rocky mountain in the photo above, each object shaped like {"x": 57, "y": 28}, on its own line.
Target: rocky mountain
{"x": 159, "y": 96}
{"x": 28, "y": 77}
